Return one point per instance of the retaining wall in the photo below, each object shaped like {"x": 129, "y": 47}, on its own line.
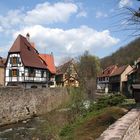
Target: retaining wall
{"x": 126, "y": 128}
{"x": 19, "y": 104}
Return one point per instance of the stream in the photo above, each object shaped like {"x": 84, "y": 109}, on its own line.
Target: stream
{"x": 45, "y": 127}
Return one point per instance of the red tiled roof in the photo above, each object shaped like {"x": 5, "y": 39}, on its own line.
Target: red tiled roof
{"x": 29, "y": 55}
{"x": 49, "y": 60}
{"x": 119, "y": 70}
{"x": 108, "y": 71}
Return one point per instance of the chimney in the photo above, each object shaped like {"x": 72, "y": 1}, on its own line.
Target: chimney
{"x": 28, "y": 37}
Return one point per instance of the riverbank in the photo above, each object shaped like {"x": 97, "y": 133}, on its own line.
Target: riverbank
{"x": 79, "y": 121}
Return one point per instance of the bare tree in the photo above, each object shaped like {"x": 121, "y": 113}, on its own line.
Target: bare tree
{"x": 130, "y": 20}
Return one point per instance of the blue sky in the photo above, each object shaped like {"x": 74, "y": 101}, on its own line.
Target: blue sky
{"x": 66, "y": 27}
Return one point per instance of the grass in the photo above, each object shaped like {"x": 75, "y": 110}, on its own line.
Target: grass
{"x": 91, "y": 126}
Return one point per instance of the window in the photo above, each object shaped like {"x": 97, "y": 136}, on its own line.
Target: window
{"x": 14, "y": 60}
{"x": 42, "y": 74}
{"x": 13, "y": 73}
{"x": 31, "y": 72}
{"x": 34, "y": 86}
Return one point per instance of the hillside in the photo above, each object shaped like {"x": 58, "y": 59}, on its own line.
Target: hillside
{"x": 125, "y": 55}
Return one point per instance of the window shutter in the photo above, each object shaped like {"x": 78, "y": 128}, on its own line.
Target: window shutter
{"x": 10, "y": 73}
{"x": 10, "y": 60}
{"x": 17, "y": 72}
{"x": 17, "y": 60}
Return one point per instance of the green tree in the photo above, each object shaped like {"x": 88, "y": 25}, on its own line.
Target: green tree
{"x": 88, "y": 68}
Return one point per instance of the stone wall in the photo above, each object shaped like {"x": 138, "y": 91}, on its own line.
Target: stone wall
{"x": 19, "y": 104}
{"x": 126, "y": 128}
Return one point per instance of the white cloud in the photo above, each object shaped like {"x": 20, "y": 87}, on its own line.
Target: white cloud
{"x": 100, "y": 14}
{"x": 42, "y": 14}
{"x": 70, "y": 42}
{"x": 50, "y": 13}
{"x": 125, "y": 3}
{"x": 12, "y": 18}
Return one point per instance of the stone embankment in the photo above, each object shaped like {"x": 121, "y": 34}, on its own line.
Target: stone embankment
{"x": 18, "y": 104}
{"x": 126, "y": 128}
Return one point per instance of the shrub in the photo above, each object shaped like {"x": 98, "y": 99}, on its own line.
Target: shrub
{"x": 109, "y": 100}
{"x": 66, "y": 130}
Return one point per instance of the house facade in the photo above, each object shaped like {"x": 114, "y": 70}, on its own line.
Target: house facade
{"x": 66, "y": 75}
{"x": 119, "y": 79}
{"x": 134, "y": 81}
{"x": 24, "y": 66}
{"x": 103, "y": 79}
{"x": 114, "y": 79}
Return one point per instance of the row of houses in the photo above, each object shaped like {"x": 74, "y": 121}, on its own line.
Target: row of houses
{"x": 124, "y": 79}
{"x": 26, "y": 67}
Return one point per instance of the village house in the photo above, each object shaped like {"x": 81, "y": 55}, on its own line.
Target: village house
{"x": 119, "y": 79}
{"x": 66, "y": 75}
{"x": 25, "y": 67}
{"x": 134, "y": 80}
{"x": 114, "y": 79}
{"x": 2, "y": 71}
{"x": 103, "y": 79}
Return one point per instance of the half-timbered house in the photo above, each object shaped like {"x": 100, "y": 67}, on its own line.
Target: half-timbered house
{"x": 66, "y": 75}
{"x": 24, "y": 66}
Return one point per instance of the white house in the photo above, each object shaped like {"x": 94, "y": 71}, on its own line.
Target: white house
{"x": 24, "y": 66}
{"x": 104, "y": 77}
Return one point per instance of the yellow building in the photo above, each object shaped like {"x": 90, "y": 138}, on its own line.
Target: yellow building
{"x": 66, "y": 75}
{"x": 2, "y": 71}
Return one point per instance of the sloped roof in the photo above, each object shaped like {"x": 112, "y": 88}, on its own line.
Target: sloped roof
{"x": 29, "y": 55}
{"x": 108, "y": 71}
{"x": 49, "y": 60}
{"x": 132, "y": 71}
{"x": 62, "y": 68}
{"x": 119, "y": 70}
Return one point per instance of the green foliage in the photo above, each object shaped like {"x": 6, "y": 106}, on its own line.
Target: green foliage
{"x": 125, "y": 55}
{"x": 66, "y": 130}
{"x": 88, "y": 66}
{"x": 112, "y": 100}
